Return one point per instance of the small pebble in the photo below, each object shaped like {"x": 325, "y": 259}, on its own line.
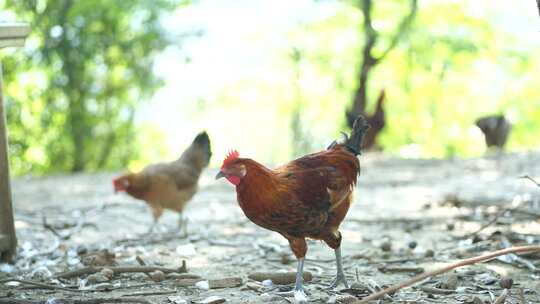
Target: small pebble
{"x": 107, "y": 272}
{"x": 213, "y": 300}
{"x": 450, "y": 226}
{"x": 254, "y": 286}
{"x": 203, "y": 285}
{"x": 506, "y": 282}
{"x": 225, "y": 283}
{"x": 177, "y": 300}
{"x": 186, "y": 282}
{"x": 386, "y": 246}
{"x": 267, "y": 283}
{"x": 429, "y": 253}
{"x": 450, "y": 281}
{"x": 286, "y": 259}
{"x": 97, "y": 277}
{"x": 412, "y": 244}
{"x": 81, "y": 249}
{"x": 157, "y": 275}
{"x": 345, "y": 299}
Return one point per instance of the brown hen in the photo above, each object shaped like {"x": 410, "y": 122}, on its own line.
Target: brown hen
{"x": 169, "y": 185}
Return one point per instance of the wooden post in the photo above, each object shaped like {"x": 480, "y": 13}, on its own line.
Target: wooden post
{"x": 10, "y": 35}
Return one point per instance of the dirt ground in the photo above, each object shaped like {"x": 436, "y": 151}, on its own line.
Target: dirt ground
{"x": 408, "y": 216}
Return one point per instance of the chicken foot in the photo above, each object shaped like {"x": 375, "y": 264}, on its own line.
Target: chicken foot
{"x": 340, "y": 276}
{"x": 298, "y": 291}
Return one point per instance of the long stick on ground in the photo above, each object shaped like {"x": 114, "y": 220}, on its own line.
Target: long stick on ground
{"x": 77, "y": 301}
{"x": 461, "y": 263}
{"x": 120, "y": 269}
{"x": 38, "y": 284}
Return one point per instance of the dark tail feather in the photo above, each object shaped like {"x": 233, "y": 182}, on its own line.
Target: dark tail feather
{"x": 203, "y": 141}
{"x": 354, "y": 142}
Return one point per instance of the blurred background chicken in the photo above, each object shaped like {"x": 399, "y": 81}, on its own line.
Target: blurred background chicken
{"x": 306, "y": 198}
{"x": 169, "y": 185}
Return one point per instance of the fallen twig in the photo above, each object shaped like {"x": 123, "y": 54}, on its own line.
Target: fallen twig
{"x": 77, "y": 301}
{"x": 474, "y": 260}
{"x": 279, "y": 278}
{"x": 142, "y": 263}
{"x": 49, "y": 227}
{"x": 516, "y": 258}
{"x": 150, "y": 293}
{"x": 502, "y": 297}
{"x": 38, "y": 284}
{"x": 120, "y": 269}
{"x": 396, "y": 261}
{"x": 391, "y": 268}
{"x": 434, "y": 290}
{"x": 526, "y": 176}
{"x": 486, "y": 225}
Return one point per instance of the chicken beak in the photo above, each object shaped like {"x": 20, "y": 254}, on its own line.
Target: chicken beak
{"x": 220, "y": 175}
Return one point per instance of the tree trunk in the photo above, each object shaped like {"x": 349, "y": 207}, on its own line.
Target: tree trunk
{"x": 369, "y": 61}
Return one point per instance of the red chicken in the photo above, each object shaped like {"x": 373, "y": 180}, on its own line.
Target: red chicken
{"x": 306, "y": 198}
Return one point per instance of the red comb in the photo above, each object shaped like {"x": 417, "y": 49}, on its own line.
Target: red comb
{"x": 233, "y": 154}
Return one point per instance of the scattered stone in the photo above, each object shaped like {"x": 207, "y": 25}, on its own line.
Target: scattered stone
{"x": 97, "y": 277}
{"x": 267, "y": 283}
{"x": 360, "y": 287}
{"x": 449, "y": 282}
{"x": 157, "y": 275}
{"x": 286, "y": 259}
{"x": 450, "y": 226}
{"x": 386, "y": 246}
{"x": 107, "y": 272}
{"x": 99, "y": 258}
{"x": 186, "y": 282}
{"x": 225, "y": 283}
{"x": 412, "y": 244}
{"x": 268, "y": 298}
{"x": 254, "y": 286}
{"x": 82, "y": 249}
{"x": 203, "y": 285}
{"x": 429, "y": 253}
{"x": 506, "y": 282}
{"x": 279, "y": 278}
{"x": 345, "y": 299}
{"x": 485, "y": 278}
{"x": 213, "y": 300}
{"x": 177, "y": 300}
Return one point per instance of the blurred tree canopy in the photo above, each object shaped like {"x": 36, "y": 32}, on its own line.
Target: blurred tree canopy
{"x": 457, "y": 61}
{"x": 86, "y": 66}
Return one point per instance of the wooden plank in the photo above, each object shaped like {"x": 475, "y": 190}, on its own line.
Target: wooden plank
{"x": 14, "y": 30}
{"x": 6, "y": 210}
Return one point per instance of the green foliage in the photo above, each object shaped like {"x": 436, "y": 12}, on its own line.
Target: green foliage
{"x": 72, "y": 95}
{"x": 454, "y": 66}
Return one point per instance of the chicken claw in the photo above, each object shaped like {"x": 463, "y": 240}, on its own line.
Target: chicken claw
{"x": 340, "y": 276}
{"x": 298, "y": 291}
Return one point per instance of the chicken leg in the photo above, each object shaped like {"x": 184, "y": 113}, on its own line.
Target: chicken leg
{"x": 340, "y": 276}
{"x": 299, "y": 294}
{"x": 298, "y": 291}
{"x": 182, "y": 224}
